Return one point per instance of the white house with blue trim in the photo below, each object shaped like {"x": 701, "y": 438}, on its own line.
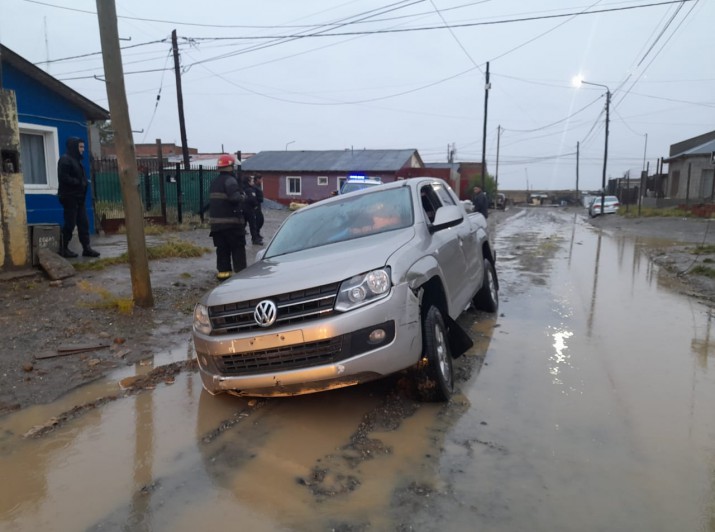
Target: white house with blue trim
{"x": 48, "y": 112}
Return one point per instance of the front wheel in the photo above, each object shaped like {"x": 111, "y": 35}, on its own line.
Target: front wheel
{"x": 487, "y": 299}
{"x": 435, "y": 379}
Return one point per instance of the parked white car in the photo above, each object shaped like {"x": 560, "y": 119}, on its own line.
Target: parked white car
{"x": 611, "y": 205}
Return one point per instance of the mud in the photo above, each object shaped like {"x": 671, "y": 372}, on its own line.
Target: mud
{"x": 360, "y": 458}
{"x": 39, "y": 315}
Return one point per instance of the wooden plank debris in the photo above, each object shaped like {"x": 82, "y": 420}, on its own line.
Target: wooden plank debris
{"x": 71, "y": 349}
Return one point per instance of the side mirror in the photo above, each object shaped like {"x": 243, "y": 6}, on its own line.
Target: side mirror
{"x": 447, "y": 216}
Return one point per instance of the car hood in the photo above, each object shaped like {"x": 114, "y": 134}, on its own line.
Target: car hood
{"x": 311, "y": 267}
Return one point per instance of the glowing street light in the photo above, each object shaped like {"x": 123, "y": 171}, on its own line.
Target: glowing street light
{"x": 578, "y": 81}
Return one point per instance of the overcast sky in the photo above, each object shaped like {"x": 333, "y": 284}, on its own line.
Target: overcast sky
{"x": 382, "y": 74}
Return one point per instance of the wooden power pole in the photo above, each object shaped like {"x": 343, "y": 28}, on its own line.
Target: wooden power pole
{"x": 180, "y": 101}
{"x": 126, "y": 155}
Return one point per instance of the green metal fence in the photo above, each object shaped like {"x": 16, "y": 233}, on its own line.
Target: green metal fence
{"x": 182, "y": 199}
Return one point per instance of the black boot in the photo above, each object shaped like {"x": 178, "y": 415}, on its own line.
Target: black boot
{"x": 89, "y": 252}
{"x": 66, "y": 252}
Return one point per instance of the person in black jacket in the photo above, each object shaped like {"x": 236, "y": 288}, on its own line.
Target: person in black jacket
{"x": 480, "y": 201}
{"x": 227, "y": 199}
{"x": 72, "y": 193}
{"x": 250, "y": 211}
{"x": 258, "y": 187}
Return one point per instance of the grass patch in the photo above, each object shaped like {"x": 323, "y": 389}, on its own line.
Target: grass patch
{"x": 649, "y": 212}
{"x": 107, "y": 300}
{"x": 174, "y": 248}
{"x": 706, "y": 249}
{"x": 190, "y": 223}
{"x": 705, "y": 271}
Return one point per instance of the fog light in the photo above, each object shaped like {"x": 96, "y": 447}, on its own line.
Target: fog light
{"x": 377, "y": 336}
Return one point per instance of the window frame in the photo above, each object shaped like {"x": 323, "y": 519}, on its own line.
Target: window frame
{"x": 297, "y": 179}
{"x": 322, "y": 180}
{"x": 52, "y": 154}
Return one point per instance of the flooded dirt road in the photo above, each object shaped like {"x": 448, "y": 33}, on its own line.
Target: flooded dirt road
{"x": 593, "y": 410}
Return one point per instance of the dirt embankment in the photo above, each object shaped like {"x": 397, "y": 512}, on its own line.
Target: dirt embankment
{"x": 41, "y": 321}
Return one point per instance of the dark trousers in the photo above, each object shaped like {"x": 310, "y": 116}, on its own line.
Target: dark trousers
{"x": 250, "y": 216}
{"x": 230, "y": 246}
{"x": 259, "y": 220}
{"x": 75, "y": 215}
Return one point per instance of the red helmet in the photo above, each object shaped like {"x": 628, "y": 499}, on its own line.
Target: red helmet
{"x": 226, "y": 159}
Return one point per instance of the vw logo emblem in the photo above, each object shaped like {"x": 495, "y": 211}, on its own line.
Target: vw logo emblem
{"x": 265, "y": 313}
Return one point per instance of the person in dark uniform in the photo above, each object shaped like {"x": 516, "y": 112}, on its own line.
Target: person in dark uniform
{"x": 72, "y": 193}
{"x": 480, "y": 201}
{"x": 258, "y": 188}
{"x": 227, "y": 199}
{"x": 250, "y": 212}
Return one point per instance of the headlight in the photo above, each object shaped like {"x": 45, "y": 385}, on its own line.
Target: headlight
{"x": 363, "y": 289}
{"x": 202, "y": 323}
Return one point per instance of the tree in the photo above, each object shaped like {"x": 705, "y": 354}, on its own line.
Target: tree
{"x": 106, "y": 133}
{"x": 490, "y": 186}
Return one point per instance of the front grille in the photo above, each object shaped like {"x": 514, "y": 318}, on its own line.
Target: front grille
{"x": 283, "y": 358}
{"x": 293, "y": 307}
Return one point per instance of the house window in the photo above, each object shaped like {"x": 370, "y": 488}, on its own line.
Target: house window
{"x": 341, "y": 180}
{"x": 38, "y": 158}
{"x": 293, "y": 186}
{"x": 322, "y": 180}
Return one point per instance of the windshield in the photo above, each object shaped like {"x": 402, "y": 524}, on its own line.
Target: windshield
{"x": 352, "y": 186}
{"x": 351, "y": 217}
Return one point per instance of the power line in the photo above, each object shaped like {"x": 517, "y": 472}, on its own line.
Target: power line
{"x": 460, "y": 25}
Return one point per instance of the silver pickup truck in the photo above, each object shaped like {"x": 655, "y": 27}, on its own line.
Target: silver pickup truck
{"x": 351, "y": 289}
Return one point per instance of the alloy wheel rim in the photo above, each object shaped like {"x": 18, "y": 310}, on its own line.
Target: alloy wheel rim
{"x": 441, "y": 348}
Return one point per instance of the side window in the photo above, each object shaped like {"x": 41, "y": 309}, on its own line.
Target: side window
{"x": 443, "y": 194}
{"x": 293, "y": 187}
{"x": 38, "y": 157}
{"x": 430, "y": 202}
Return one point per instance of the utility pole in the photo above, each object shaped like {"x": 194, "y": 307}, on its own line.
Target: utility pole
{"x": 496, "y": 172}
{"x": 487, "y": 86}
{"x": 578, "y": 148}
{"x": 180, "y": 101}
{"x": 126, "y": 155}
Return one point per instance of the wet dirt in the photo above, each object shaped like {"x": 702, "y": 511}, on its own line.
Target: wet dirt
{"x": 38, "y": 316}
{"x": 364, "y": 458}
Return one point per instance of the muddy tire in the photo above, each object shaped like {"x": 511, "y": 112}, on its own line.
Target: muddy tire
{"x": 487, "y": 298}
{"x": 434, "y": 375}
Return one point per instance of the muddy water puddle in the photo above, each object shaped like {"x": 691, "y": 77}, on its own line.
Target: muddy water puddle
{"x": 175, "y": 458}
{"x": 593, "y": 411}
{"x": 594, "y": 408}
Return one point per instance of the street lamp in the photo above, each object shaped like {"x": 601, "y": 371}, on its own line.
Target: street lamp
{"x": 288, "y": 144}
{"x": 605, "y": 149}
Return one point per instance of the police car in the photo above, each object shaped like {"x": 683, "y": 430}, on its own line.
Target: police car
{"x": 359, "y": 182}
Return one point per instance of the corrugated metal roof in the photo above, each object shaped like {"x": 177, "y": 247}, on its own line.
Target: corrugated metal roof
{"x": 329, "y": 161}
{"x": 703, "y": 149}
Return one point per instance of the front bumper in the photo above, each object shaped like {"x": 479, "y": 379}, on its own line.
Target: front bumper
{"x": 319, "y": 355}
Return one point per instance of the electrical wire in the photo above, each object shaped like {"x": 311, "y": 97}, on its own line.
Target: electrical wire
{"x": 158, "y": 98}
